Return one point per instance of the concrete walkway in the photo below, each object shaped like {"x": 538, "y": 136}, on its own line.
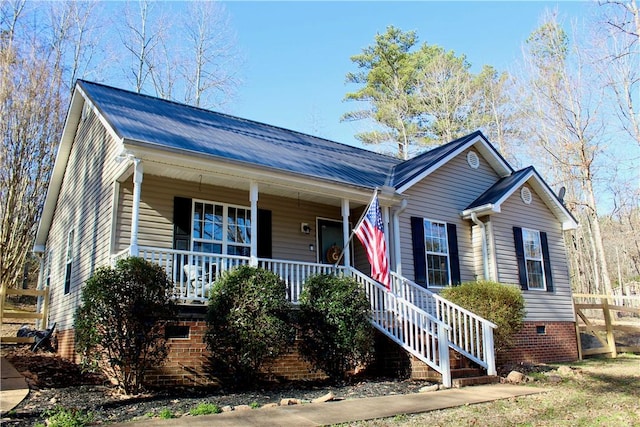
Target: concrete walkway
{"x": 344, "y": 411}
{"x": 13, "y": 386}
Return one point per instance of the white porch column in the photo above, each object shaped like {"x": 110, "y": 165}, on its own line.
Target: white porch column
{"x": 346, "y": 233}
{"x": 253, "y": 197}
{"x": 135, "y": 212}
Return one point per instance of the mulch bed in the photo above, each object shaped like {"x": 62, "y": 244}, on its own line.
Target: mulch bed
{"x": 55, "y": 382}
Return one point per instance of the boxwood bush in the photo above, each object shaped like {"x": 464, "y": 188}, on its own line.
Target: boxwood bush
{"x": 119, "y": 325}
{"x": 248, "y": 324}
{"x": 499, "y": 303}
{"x": 335, "y": 325}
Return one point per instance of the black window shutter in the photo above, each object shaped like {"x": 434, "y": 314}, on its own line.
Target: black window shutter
{"x": 264, "y": 234}
{"x": 546, "y": 261}
{"x": 419, "y": 259}
{"x": 454, "y": 258}
{"x": 182, "y": 223}
{"x": 522, "y": 267}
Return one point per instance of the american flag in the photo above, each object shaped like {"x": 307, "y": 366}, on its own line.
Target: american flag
{"x": 370, "y": 231}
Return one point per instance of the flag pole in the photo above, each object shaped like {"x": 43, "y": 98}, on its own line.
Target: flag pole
{"x": 353, "y": 232}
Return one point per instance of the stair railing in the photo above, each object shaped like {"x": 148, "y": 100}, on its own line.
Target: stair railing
{"x": 469, "y": 334}
{"x": 415, "y": 330}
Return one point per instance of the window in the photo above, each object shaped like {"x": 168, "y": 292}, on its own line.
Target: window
{"x": 220, "y": 228}
{"x": 533, "y": 259}
{"x": 534, "y": 262}
{"x": 437, "y": 253}
{"x": 69, "y": 263}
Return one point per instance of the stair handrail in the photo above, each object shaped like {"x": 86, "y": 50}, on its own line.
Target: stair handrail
{"x": 411, "y": 327}
{"x": 469, "y": 334}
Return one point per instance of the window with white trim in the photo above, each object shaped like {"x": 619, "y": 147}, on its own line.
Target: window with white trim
{"x": 533, "y": 259}
{"x": 437, "y": 253}
{"x": 221, "y": 228}
{"x": 68, "y": 263}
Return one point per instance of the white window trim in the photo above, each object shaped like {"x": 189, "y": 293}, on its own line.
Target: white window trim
{"x": 225, "y": 224}
{"x": 527, "y": 258}
{"x": 68, "y": 262}
{"x": 427, "y": 253}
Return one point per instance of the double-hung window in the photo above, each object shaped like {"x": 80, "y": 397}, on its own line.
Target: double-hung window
{"x": 533, "y": 259}
{"x": 437, "y": 253}
{"x": 221, "y": 228}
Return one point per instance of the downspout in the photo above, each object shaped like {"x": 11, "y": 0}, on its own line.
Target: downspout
{"x": 483, "y": 235}
{"x": 396, "y": 236}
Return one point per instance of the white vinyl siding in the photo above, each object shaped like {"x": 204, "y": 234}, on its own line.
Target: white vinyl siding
{"x": 443, "y": 195}
{"x": 84, "y": 205}
{"x": 549, "y": 306}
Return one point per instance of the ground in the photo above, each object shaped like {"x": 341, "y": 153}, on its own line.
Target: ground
{"x": 56, "y": 382}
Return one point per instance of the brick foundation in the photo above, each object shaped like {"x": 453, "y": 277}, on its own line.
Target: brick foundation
{"x": 543, "y": 342}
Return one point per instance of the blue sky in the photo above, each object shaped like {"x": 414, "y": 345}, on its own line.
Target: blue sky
{"x": 296, "y": 54}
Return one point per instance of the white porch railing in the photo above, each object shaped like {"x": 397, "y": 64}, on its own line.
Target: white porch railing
{"x": 420, "y": 321}
{"x": 469, "y": 334}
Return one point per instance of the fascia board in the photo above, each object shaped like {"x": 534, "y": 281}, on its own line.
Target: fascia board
{"x": 484, "y": 147}
{"x": 552, "y": 202}
{"x": 59, "y": 168}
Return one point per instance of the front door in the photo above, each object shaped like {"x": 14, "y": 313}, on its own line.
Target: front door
{"x": 330, "y": 241}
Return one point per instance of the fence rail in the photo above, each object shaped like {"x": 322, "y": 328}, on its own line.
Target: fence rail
{"x": 5, "y": 313}
{"x": 605, "y": 317}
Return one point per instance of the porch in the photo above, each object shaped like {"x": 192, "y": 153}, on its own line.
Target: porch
{"x": 421, "y": 322}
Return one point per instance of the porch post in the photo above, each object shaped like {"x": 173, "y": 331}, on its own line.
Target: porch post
{"x": 346, "y": 255}
{"x": 253, "y": 197}
{"x": 135, "y": 212}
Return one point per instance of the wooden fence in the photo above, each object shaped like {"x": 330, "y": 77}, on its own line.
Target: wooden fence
{"x": 43, "y": 315}
{"x": 607, "y": 317}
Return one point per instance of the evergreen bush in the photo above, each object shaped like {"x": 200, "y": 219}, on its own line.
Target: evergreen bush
{"x": 499, "y": 303}
{"x": 335, "y": 323}
{"x": 248, "y": 324}
{"x": 119, "y": 325}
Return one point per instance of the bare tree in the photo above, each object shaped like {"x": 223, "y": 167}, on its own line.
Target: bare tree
{"x": 567, "y": 125}
{"x": 211, "y": 58}
{"x": 31, "y": 105}
{"x": 141, "y": 39}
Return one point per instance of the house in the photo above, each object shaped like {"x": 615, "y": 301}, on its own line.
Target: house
{"x": 200, "y": 192}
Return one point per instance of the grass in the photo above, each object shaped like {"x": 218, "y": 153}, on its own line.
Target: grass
{"x": 205, "y": 409}
{"x": 600, "y": 392}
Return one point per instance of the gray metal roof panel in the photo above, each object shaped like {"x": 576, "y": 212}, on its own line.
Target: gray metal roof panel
{"x": 160, "y": 122}
{"x": 408, "y": 170}
{"x": 500, "y": 188}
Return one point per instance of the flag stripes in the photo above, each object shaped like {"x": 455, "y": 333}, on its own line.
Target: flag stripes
{"x": 370, "y": 232}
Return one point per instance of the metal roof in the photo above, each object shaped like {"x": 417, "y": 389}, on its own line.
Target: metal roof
{"x": 501, "y": 188}
{"x": 157, "y": 122}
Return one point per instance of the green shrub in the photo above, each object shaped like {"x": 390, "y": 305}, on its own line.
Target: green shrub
{"x": 248, "y": 324}
{"x": 205, "y": 409}
{"x": 499, "y": 303}
{"x": 62, "y": 417}
{"x": 166, "y": 414}
{"x": 335, "y": 322}
{"x": 119, "y": 325}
